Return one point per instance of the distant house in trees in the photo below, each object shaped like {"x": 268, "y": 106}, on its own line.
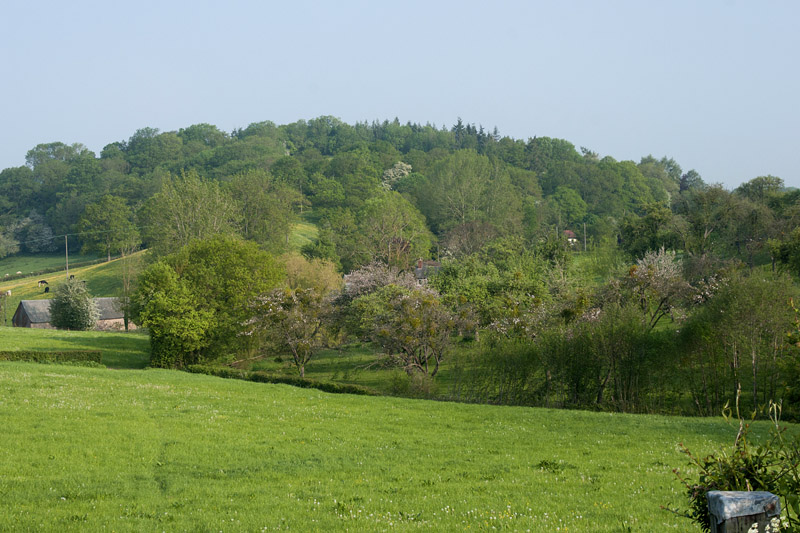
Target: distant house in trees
{"x": 36, "y": 314}
{"x": 570, "y": 236}
{"x": 425, "y": 269}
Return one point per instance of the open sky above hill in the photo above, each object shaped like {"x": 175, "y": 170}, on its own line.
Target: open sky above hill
{"x": 711, "y": 84}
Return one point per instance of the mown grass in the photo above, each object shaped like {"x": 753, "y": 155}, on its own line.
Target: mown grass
{"x": 90, "y": 449}
{"x": 120, "y": 350}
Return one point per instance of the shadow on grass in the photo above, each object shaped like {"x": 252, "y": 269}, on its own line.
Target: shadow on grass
{"x": 120, "y": 350}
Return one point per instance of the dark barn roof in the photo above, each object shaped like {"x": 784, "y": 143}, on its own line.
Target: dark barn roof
{"x": 38, "y": 311}
{"x": 108, "y": 308}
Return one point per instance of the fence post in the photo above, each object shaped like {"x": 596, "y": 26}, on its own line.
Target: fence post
{"x": 737, "y": 512}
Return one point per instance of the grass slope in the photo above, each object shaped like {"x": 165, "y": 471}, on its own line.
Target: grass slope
{"x": 120, "y": 350}
{"x": 89, "y": 449}
{"x": 29, "y": 263}
{"x": 303, "y": 233}
{"x": 103, "y": 279}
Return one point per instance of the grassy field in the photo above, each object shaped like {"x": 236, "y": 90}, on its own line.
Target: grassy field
{"x": 359, "y": 364}
{"x": 89, "y": 449}
{"x": 38, "y": 262}
{"x": 120, "y": 350}
{"x": 302, "y": 233}
{"x": 103, "y": 279}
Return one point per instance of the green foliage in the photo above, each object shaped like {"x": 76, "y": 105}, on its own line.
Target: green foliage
{"x": 265, "y": 208}
{"x": 8, "y": 245}
{"x": 412, "y": 327}
{"x": 468, "y": 187}
{"x": 175, "y": 315}
{"x": 652, "y": 230}
{"x": 502, "y": 271}
{"x": 196, "y": 302}
{"x": 392, "y": 231}
{"x": 737, "y": 340}
{"x": 187, "y": 207}
{"x": 569, "y": 205}
{"x": 106, "y": 227}
{"x": 294, "y": 320}
{"x": 72, "y": 356}
{"x": 72, "y": 307}
{"x": 772, "y": 465}
{"x": 786, "y": 253}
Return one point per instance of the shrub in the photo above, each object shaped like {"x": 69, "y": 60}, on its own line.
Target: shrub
{"x": 72, "y": 307}
{"x": 773, "y": 466}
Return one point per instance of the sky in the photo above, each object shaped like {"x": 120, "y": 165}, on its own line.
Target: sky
{"x": 712, "y": 84}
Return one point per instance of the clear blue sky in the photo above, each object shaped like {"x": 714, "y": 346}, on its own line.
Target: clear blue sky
{"x": 712, "y": 84}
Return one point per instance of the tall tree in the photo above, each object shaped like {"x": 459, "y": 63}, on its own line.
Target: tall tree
{"x": 196, "y": 302}
{"x": 393, "y": 231}
{"x": 294, "y": 320}
{"x": 107, "y": 226}
{"x": 265, "y": 208}
{"x": 187, "y": 207}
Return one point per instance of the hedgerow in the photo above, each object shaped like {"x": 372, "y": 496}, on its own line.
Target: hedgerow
{"x": 72, "y": 356}
{"x": 295, "y": 381}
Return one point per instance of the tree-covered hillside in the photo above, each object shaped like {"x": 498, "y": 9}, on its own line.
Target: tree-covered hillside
{"x": 458, "y": 188}
{"x": 568, "y": 279}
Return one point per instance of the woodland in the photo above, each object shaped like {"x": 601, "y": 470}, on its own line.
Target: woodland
{"x": 551, "y": 276}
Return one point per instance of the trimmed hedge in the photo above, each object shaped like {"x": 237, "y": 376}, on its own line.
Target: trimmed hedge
{"x": 265, "y": 377}
{"x": 73, "y": 356}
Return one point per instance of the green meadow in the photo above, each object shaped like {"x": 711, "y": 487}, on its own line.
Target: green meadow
{"x": 303, "y": 233}
{"x": 30, "y": 263}
{"x": 88, "y": 449}
{"x": 120, "y": 350}
{"x": 102, "y": 279}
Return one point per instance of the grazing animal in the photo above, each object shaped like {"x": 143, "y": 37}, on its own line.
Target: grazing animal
{"x": 42, "y": 282}
{"x": 71, "y": 276}
{"x": 47, "y": 289}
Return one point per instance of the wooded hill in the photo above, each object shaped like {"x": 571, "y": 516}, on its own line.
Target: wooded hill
{"x": 674, "y": 307}
{"x": 459, "y": 187}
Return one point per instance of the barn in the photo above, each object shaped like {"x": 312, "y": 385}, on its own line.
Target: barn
{"x": 36, "y": 314}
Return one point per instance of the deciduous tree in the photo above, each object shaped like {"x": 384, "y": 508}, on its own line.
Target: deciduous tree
{"x": 413, "y": 327}
{"x": 106, "y": 226}
{"x": 294, "y": 320}
{"x": 187, "y": 207}
{"x": 196, "y": 302}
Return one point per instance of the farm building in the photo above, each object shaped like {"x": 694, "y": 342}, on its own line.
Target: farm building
{"x": 36, "y": 314}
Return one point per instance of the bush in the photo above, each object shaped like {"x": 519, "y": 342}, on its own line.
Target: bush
{"x": 72, "y": 307}
{"x": 77, "y": 356}
{"x": 773, "y": 466}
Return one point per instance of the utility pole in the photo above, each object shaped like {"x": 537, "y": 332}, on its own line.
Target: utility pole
{"x": 3, "y": 300}
{"x": 66, "y": 253}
